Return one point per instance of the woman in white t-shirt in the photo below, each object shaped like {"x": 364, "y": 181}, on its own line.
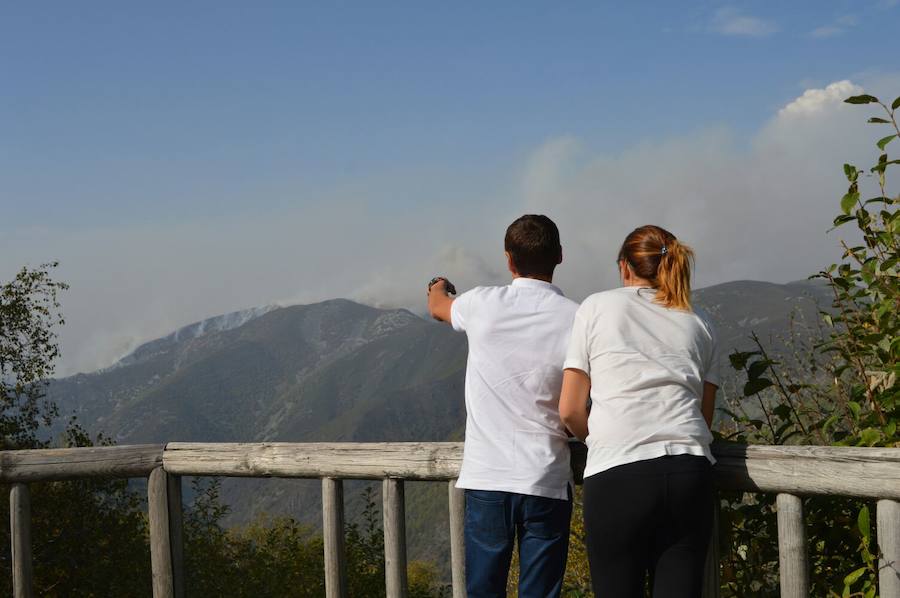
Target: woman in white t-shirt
{"x": 639, "y": 387}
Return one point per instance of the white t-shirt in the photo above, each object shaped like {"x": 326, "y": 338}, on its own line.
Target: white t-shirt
{"x": 647, "y": 365}
{"x": 518, "y": 334}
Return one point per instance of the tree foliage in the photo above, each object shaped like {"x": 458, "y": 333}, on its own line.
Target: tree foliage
{"x": 839, "y": 387}
{"x": 88, "y": 536}
{"x": 29, "y": 312}
{"x": 275, "y": 557}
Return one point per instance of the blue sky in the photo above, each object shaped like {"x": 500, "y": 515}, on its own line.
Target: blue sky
{"x": 116, "y": 111}
{"x": 129, "y": 130}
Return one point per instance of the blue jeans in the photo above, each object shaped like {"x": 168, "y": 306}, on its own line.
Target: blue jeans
{"x": 493, "y": 521}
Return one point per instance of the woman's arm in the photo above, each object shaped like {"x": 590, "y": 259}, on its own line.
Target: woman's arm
{"x": 708, "y": 406}
{"x": 573, "y": 400}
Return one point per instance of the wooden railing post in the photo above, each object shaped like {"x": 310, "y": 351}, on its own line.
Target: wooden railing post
{"x": 794, "y": 571}
{"x": 160, "y": 541}
{"x": 457, "y": 540}
{"x": 888, "y": 528}
{"x": 20, "y": 528}
{"x": 711, "y": 582}
{"x": 395, "y": 581}
{"x": 176, "y": 532}
{"x": 333, "y": 535}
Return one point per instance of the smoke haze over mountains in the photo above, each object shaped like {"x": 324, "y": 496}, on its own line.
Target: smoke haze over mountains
{"x": 753, "y": 206}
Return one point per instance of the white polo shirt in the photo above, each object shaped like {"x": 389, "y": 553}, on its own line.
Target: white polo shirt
{"x": 647, "y": 365}
{"x": 518, "y": 334}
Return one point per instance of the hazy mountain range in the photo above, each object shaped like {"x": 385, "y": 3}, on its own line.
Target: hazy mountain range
{"x": 336, "y": 371}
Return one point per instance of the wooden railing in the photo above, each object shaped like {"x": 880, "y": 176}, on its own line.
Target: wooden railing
{"x": 788, "y": 472}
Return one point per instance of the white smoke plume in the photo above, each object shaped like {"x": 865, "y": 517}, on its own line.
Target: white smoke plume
{"x": 752, "y": 207}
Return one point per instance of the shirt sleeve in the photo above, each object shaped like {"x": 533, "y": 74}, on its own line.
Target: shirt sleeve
{"x": 460, "y": 310}
{"x": 711, "y": 371}
{"x": 578, "y": 356}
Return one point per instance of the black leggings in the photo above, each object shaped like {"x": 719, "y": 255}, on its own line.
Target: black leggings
{"x": 651, "y": 517}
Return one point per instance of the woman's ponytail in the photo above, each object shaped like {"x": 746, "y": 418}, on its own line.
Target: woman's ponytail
{"x": 655, "y": 255}
{"x": 673, "y": 277}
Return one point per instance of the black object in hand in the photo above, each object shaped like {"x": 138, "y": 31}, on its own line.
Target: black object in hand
{"x": 448, "y": 286}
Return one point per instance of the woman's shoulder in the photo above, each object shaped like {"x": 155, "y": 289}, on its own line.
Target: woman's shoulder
{"x": 606, "y": 299}
{"x": 701, "y": 313}
{"x": 704, "y": 320}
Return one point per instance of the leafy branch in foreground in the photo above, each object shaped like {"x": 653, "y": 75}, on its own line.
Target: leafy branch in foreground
{"x": 845, "y": 392}
{"x": 29, "y": 312}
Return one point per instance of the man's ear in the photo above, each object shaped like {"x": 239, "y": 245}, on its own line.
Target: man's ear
{"x": 560, "y": 258}
{"x": 510, "y": 264}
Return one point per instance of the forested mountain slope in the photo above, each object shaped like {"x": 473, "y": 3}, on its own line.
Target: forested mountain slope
{"x": 335, "y": 371}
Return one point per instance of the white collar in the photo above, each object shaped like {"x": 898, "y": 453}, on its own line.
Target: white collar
{"x": 535, "y": 284}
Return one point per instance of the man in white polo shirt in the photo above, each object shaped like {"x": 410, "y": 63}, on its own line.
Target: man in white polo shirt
{"x": 516, "y": 461}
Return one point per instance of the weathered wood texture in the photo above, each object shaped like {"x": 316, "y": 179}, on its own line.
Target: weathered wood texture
{"x": 160, "y": 545}
{"x": 786, "y": 471}
{"x": 176, "y": 532}
{"x": 793, "y": 568}
{"x": 888, "y": 530}
{"x": 844, "y": 471}
{"x": 333, "y": 536}
{"x": 848, "y": 471}
{"x": 457, "y": 539}
{"x": 865, "y": 472}
{"x": 408, "y": 460}
{"x": 20, "y": 527}
{"x": 394, "y": 504}
{"x": 45, "y": 465}
{"x": 711, "y": 568}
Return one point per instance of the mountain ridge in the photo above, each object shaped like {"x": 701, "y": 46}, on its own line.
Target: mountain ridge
{"x": 272, "y": 357}
{"x": 337, "y": 370}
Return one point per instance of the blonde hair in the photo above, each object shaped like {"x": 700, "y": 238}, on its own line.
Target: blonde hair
{"x": 656, "y": 255}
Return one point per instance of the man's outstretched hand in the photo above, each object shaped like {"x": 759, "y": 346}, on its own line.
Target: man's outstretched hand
{"x": 439, "y": 300}
{"x": 448, "y": 286}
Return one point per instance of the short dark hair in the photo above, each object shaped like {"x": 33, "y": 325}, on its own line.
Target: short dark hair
{"x": 533, "y": 242}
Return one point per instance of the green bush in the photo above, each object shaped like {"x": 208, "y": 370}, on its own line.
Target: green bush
{"x": 841, "y": 388}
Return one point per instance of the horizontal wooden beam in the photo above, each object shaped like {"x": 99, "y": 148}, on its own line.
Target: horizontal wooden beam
{"x": 807, "y": 470}
{"x": 45, "y": 465}
{"x": 850, "y": 471}
{"x": 799, "y": 470}
{"x": 408, "y": 460}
